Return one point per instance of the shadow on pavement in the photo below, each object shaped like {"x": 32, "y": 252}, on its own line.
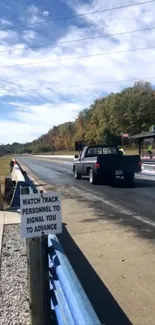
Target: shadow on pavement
{"x": 104, "y": 304}
{"x": 141, "y": 229}
{"x": 119, "y": 183}
{"x": 139, "y": 183}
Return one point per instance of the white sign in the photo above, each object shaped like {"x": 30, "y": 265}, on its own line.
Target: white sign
{"x": 40, "y": 214}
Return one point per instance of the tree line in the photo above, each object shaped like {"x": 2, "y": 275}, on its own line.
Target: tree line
{"x": 129, "y": 111}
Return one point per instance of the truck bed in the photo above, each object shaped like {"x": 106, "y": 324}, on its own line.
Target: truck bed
{"x": 110, "y": 163}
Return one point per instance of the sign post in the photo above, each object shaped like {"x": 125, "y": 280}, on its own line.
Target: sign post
{"x": 40, "y": 216}
{"x": 124, "y": 135}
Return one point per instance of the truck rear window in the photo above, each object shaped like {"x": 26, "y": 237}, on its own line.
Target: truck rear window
{"x": 96, "y": 151}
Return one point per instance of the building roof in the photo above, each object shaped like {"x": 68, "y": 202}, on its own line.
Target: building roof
{"x": 143, "y": 135}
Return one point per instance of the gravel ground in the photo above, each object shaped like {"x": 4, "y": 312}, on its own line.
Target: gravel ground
{"x": 14, "y": 309}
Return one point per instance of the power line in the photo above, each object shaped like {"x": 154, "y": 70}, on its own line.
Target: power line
{"x": 78, "y": 40}
{"x": 89, "y": 85}
{"x": 78, "y": 57}
{"x": 78, "y": 15}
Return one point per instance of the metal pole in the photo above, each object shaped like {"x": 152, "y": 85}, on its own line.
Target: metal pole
{"x": 140, "y": 146}
{"x": 122, "y": 140}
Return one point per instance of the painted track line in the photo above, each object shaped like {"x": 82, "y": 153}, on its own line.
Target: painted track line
{"x": 116, "y": 207}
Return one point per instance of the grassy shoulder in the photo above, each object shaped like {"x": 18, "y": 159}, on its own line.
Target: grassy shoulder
{"x": 67, "y": 153}
{"x": 4, "y": 171}
{"x": 4, "y": 166}
{"x": 128, "y": 152}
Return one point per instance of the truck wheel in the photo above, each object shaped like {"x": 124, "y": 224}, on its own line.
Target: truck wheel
{"x": 129, "y": 179}
{"x": 92, "y": 178}
{"x": 76, "y": 174}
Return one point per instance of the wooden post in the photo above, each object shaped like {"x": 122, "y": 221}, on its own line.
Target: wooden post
{"x": 38, "y": 282}
{"x": 34, "y": 280}
{"x": 38, "y": 279}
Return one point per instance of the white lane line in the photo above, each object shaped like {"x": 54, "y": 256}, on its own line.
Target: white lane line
{"x": 116, "y": 207}
{"x": 61, "y": 162}
{"x": 105, "y": 201}
{"x": 145, "y": 220}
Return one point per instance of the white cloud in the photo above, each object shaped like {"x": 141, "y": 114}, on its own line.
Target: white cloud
{"x": 8, "y": 37}
{"x": 18, "y": 132}
{"x": 26, "y": 112}
{"x": 32, "y": 9}
{"x": 48, "y": 80}
{"x": 5, "y": 22}
{"x": 29, "y": 35}
{"x": 35, "y": 14}
{"x": 28, "y": 121}
{"x": 45, "y": 13}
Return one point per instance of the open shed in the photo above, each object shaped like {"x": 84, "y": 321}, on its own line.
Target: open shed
{"x": 141, "y": 137}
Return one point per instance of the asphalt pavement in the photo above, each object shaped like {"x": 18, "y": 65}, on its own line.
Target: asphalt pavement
{"x": 137, "y": 203}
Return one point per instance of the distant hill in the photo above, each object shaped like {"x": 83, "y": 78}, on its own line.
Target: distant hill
{"x": 13, "y": 148}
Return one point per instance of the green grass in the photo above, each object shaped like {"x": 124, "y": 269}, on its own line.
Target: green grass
{"x": 131, "y": 152}
{"x": 4, "y": 165}
{"x": 128, "y": 152}
{"x": 4, "y": 171}
{"x": 65, "y": 153}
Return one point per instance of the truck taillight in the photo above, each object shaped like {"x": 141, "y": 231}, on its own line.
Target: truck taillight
{"x": 97, "y": 165}
{"x": 140, "y": 163}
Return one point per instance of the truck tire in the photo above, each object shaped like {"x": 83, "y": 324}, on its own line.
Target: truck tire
{"x": 76, "y": 174}
{"x": 92, "y": 177}
{"x": 129, "y": 179}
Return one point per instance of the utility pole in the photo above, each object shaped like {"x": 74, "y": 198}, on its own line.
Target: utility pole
{"x": 38, "y": 279}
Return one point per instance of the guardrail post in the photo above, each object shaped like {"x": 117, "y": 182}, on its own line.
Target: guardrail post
{"x": 38, "y": 279}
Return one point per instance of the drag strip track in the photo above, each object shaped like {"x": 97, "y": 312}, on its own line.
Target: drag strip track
{"x": 133, "y": 203}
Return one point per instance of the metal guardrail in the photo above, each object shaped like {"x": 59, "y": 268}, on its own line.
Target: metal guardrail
{"x": 16, "y": 174}
{"x": 18, "y": 181}
{"x": 148, "y": 169}
{"x": 148, "y": 157}
{"x": 68, "y": 300}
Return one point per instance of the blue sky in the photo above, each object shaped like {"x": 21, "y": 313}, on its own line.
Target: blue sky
{"x": 39, "y": 86}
